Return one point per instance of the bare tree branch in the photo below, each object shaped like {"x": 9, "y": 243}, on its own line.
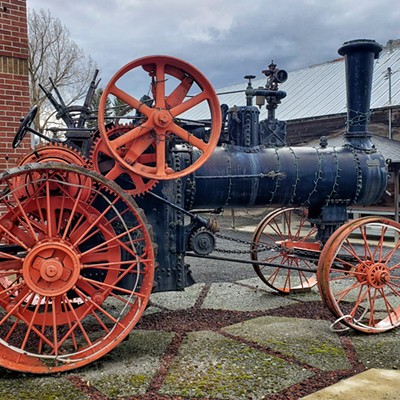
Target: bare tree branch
{"x": 53, "y": 54}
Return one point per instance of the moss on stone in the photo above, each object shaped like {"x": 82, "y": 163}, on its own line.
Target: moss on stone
{"x": 39, "y": 389}
{"x": 129, "y": 368}
{"x": 122, "y": 385}
{"x": 211, "y": 365}
{"x": 378, "y": 351}
{"x": 307, "y": 340}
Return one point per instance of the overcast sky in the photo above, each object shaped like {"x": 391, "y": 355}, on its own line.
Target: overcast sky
{"x": 225, "y": 39}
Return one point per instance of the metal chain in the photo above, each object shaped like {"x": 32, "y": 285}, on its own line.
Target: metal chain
{"x": 309, "y": 254}
{"x": 259, "y": 248}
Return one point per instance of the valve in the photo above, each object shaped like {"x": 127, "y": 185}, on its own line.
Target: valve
{"x": 275, "y": 76}
{"x": 249, "y": 90}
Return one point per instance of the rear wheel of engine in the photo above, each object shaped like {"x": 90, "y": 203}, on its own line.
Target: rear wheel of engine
{"x": 76, "y": 267}
{"x": 359, "y": 274}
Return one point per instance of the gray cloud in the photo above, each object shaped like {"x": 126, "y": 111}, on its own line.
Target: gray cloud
{"x": 225, "y": 39}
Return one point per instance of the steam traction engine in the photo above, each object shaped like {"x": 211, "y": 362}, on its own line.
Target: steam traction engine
{"x": 79, "y": 256}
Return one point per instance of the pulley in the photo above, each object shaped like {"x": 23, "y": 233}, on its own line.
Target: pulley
{"x": 176, "y": 88}
{"x": 202, "y": 241}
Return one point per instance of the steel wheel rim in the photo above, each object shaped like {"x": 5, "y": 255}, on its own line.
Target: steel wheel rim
{"x": 42, "y": 329}
{"x": 283, "y": 280}
{"x": 361, "y": 284}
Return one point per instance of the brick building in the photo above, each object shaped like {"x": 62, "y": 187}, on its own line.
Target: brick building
{"x": 14, "y": 81}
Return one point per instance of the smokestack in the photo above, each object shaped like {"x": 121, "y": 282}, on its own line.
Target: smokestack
{"x": 359, "y": 57}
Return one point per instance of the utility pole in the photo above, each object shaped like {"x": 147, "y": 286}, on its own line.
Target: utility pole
{"x": 389, "y": 76}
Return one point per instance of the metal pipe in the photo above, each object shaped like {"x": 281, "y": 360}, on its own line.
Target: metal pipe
{"x": 359, "y": 60}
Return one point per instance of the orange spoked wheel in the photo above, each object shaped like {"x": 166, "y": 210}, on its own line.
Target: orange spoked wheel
{"x": 54, "y": 152}
{"x": 176, "y": 87}
{"x": 104, "y": 163}
{"x": 75, "y": 275}
{"x": 287, "y": 240}
{"x": 359, "y": 274}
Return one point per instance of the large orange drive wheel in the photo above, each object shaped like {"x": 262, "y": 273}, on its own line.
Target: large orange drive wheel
{"x": 285, "y": 237}
{"x": 75, "y": 274}
{"x": 176, "y": 87}
{"x": 359, "y": 274}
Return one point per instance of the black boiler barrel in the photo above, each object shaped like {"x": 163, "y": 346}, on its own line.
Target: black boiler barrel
{"x": 289, "y": 176}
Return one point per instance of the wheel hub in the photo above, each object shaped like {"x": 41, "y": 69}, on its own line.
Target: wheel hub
{"x": 162, "y": 118}
{"x": 362, "y": 271}
{"x": 378, "y": 275}
{"x": 51, "y": 268}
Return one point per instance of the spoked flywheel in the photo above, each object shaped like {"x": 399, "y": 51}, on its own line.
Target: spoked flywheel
{"x": 76, "y": 270}
{"x": 176, "y": 87}
{"x": 359, "y": 274}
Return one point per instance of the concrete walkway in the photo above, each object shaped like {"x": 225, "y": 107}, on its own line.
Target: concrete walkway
{"x": 230, "y": 341}
{"x": 374, "y": 384}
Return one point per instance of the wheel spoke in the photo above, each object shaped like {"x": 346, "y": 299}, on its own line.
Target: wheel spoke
{"x": 77, "y": 324}
{"x": 113, "y": 286}
{"x": 65, "y": 304}
{"x": 114, "y": 172}
{"x": 19, "y": 236}
{"x": 390, "y": 254}
{"x": 55, "y": 309}
{"x": 132, "y": 135}
{"x": 94, "y": 223}
{"x": 279, "y": 232}
{"x": 160, "y": 158}
{"x": 137, "y": 149}
{"x": 116, "y": 238}
{"x": 372, "y": 299}
{"x": 179, "y": 93}
{"x": 130, "y": 100}
{"x": 93, "y": 304}
{"x": 188, "y": 104}
{"x": 160, "y": 85}
{"x": 341, "y": 294}
{"x": 189, "y": 138}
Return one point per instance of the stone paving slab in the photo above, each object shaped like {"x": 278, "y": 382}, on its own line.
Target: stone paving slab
{"x": 379, "y": 351}
{"x": 210, "y": 365}
{"x": 306, "y": 295}
{"x": 21, "y": 387}
{"x": 309, "y": 341}
{"x": 230, "y": 296}
{"x": 129, "y": 368}
{"x": 374, "y": 384}
{"x": 177, "y": 300}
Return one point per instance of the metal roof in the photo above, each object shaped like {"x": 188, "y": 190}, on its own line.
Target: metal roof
{"x": 389, "y": 148}
{"x": 318, "y": 90}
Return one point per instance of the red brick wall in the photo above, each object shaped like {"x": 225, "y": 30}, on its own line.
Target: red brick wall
{"x": 14, "y": 82}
